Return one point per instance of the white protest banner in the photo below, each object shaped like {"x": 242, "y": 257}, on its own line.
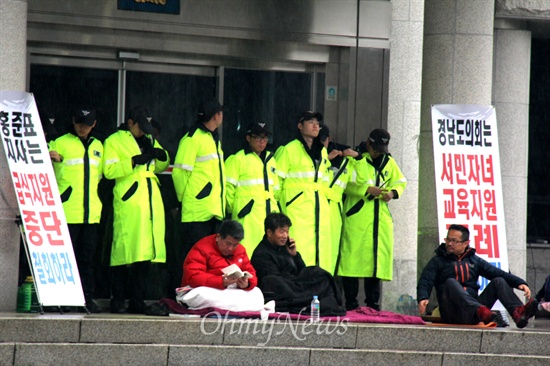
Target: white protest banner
{"x": 48, "y": 241}
{"x": 468, "y": 181}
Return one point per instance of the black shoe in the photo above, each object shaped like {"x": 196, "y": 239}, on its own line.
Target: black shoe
{"x": 117, "y": 306}
{"x": 352, "y": 305}
{"x": 157, "y": 309}
{"x": 136, "y": 307}
{"x": 374, "y": 306}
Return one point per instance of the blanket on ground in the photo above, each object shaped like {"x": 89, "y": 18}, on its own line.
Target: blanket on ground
{"x": 360, "y": 315}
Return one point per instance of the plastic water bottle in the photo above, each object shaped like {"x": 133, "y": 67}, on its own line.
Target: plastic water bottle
{"x": 412, "y": 308}
{"x": 401, "y": 304}
{"x": 315, "y": 309}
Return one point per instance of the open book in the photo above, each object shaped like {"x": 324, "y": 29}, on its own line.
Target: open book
{"x": 234, "y": 272}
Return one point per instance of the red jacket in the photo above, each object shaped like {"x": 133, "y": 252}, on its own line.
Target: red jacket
{"x": 204, "y": 263}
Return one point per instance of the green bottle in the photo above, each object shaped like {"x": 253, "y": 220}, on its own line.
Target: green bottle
{"x": 24, "y": 296}
{"x": 23, "y": 299}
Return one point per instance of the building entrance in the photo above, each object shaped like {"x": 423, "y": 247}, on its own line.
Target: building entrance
{"x": 173, "y": 95}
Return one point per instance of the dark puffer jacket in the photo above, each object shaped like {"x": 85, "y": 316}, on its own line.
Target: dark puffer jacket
{"x": 273, "y": 260}
{"x": 466, "y": 269}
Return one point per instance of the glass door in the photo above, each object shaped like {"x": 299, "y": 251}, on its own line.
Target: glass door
{"x": 272, "y": 97}
{"x": 59, "y": 90}
{"x": 173, "y": 94}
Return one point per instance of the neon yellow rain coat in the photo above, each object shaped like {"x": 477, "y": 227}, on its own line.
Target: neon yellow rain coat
{"x": 199, "y": 176}
{"x": 339, "y": 177}
{"x": 252, "y": 186}
{"x": 304, "y": 184}
{"x": 138, "y": 229}
{"x": 78, "y": 176}
{"x": 367, "y": 238}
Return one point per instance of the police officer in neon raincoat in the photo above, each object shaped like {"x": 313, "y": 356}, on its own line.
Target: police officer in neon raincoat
{"x": 303, "y": 169}
{"x": 199, "y": 181}
{"x": 343, "y": 160}
{"x": 367, "y": 238}
{"x": 132, "y": 157}
{"x": 252, "y": 185}
{"x": 78, "y": 165}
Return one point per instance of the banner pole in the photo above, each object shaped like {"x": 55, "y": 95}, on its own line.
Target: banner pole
{"x": 19, "y": 223}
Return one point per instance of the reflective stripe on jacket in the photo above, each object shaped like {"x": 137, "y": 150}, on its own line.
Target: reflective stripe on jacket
{"x": 199, "y": 177}
{"x": 252, "y": 184}
{"x": 78, "y": 176}
{"x": 302, "y": 199}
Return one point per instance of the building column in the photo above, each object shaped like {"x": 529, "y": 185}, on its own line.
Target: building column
{"x": 405, "y": 78}
{"x": 512, "y": 61}
{"x": 457, "y": 69}
{"x": 13, "y": 71}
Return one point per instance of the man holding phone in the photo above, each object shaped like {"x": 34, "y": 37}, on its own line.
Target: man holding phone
{"x": 283, "y": 275}
{"x": 276, "y": 255}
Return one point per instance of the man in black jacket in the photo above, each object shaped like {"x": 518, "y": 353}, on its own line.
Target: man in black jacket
{"x": 284, "y": 277}
{"x": 276, "y": 255}
{"x": 454, "y": 272}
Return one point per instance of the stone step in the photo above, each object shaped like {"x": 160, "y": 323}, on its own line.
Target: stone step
{"x": 69, "y": 354}
{"x": 114, "y": 339}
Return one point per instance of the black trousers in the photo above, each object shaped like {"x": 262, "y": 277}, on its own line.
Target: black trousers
{"x": 293, "y": 293}
{"x": 85, "y": 238}
{"x": 130, "y": 281}
{"x": 459, "y": 307}
{"x": 191, "y": 232}
{"x": 351, "y": 290}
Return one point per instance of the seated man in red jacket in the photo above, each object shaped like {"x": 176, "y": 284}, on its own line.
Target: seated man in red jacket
{"x": 205, "y": 261}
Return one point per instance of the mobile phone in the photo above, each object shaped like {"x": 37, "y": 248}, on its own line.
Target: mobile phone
{"x": 288, "y": 242}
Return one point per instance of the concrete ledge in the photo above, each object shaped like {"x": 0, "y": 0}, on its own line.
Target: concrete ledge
{"x": 121, "y": 354}
{"x": 212, "y": 355}
{"x": 39, "y": 328}
{"x": 149, "y": 330}
{"x": 414, "y": 338}
{"x": 89, "y": 354}
{"x": 456, "y": 359}
{"x": 391, "y": 358}
{"x": 374, "y": 357}
{"x": 107, "y": 339}
{"x": 7, "y": 351}
{"x": 287, "y": 333}
{"x": 516, "y": 342}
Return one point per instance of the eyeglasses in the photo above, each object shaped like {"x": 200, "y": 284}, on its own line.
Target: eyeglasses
{"x": 454, "y": 241}
{"x": 260, "y": 138}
